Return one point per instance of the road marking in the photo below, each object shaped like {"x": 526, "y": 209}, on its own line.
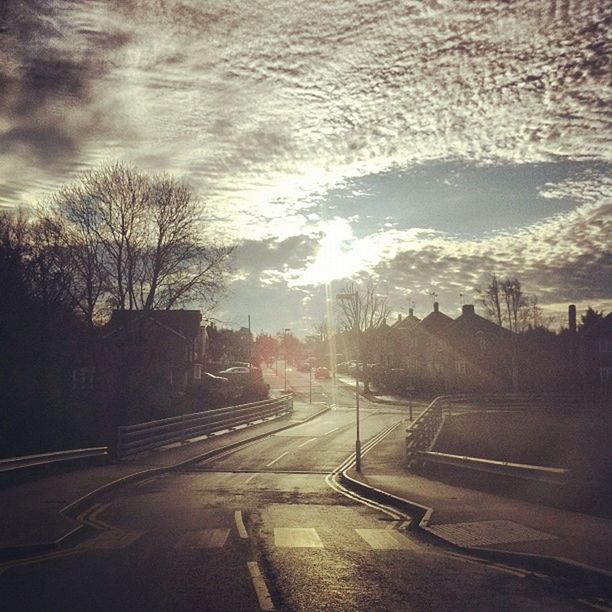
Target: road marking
{"x": 38, "y": 558}
{"x": 240, "y": 525}
{"x": 204, "y": 538}
{"x": 261, "y": 589}
{"x": 82, "y": 517}
{"x": 331, "y": 430}
{"x": 277, "y": 459}
{"x": 384, "y": 539}
{"x": 297, "y": 537}
{"x": 146, "y": 481}
{"x": 111, "y": 539}
{"x": 307, "y": 442}
{"x": 94, "y": 520}
{"x": 250, "y": 478}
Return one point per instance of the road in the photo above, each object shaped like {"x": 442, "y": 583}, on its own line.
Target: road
{"x": 260, "y": 528}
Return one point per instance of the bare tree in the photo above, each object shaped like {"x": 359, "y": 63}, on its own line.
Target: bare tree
{"x": 365, "y": 310}
{"x": 137, "y": 242}
{"x": 507, "y": 305}
{"x": 362, "y": 311}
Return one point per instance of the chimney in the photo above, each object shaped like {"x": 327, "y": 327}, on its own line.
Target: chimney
{"x": 399, "y": 318}
{"x": 467, "y": 309}
{"x": 411, "y": 312}
{"x": 436, "y": 306}
{"x": 572, "y": 318}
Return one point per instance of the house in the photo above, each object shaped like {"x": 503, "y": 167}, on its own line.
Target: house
{"x": 169, "y": 344}
{"x": 595, "y": 356}
{"x": 442, "y": 354}
{"x": 481, "y": 353}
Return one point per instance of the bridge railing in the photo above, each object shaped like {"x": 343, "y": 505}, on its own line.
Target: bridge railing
{"x": 137, "y": 438}
{"x": 14, "y": 464}
{"x": 422, "y": 434}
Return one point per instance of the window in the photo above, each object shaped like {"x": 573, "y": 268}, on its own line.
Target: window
{"x": 83, "y": 379}
{"x": 605, "y": 374}
{"x": 460, "y": 367}
{"x": 482, "y": 342}
{"x": 197, "y": 371}
{"x": 605, "y": 345}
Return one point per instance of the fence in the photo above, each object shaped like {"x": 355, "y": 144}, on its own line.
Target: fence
{"x": 14, "y": 464}
{"x": 423, "y": 432}
{"x": 145, "y": 436}
{"x": 422, "y": 435}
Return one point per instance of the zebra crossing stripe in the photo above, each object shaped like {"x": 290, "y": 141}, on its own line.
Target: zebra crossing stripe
{"x": 386, "y": 539}
{"x": 203, "y": 538}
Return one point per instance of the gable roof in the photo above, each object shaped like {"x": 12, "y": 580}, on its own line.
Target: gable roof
{"x": 603, "y": 327}
{"x": 184, "y": 323}
{"x": 436, "y": 322}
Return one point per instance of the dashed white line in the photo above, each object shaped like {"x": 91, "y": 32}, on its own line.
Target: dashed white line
{"x": 277, "y": 459}
{"x": 307, "y": 442}
{"x": 240, "y": 525}
{"x": 250, "y": 478}
{"x": 261, "y": 590}
{"x": 331, "y": 431}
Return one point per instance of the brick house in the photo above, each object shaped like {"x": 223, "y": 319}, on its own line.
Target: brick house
{"x": 595, "y": 356}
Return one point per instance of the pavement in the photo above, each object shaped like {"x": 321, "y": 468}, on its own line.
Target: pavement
{"x": 37, "y": 515}
{"x": 477, "y": 521}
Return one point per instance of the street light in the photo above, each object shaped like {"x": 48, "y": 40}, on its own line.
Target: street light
{"x": 354, "y": 296}
{"x": 285, "y": 352}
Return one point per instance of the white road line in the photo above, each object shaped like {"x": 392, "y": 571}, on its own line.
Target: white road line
{"x": 250, "y": 478}
{"x": 331, "y": 430}
{"x": 240, "y": 525}
{"x": 261, "y": 590}
{"x": 297, "y": 537}
{"x": 307, "y": 442}
{"x": 277, "y": 459}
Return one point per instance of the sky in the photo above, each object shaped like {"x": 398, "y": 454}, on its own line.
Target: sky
{"x": 419, "y": 145}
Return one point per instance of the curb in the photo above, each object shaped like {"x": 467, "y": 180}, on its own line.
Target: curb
{"x": 557, "y": 566}
{"x": 136, "y": 476}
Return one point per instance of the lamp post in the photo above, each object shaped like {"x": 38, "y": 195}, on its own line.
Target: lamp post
{"x": 354, "y": 296}
{"x": 285, "y": 353}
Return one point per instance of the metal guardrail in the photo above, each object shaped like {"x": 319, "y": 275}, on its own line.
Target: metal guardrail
{"x": 550, "y": 475}
{"x": 422, "y": 433}
{"x": 13, "y": 464}
{"x": 559, "y": 402}
{"x": 137, "y": 438}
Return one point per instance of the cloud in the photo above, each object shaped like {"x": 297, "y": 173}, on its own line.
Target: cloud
{"x": 266, "y": 108}
{"x": 265, "y": 95}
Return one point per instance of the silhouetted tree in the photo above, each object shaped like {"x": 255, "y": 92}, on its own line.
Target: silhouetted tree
{"x": 136, "y": 242}
{"x": 361, "y": 310}
{"x": 589, "y": 318}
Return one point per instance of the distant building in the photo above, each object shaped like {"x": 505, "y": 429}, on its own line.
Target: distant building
{"x": 595, "y": 356}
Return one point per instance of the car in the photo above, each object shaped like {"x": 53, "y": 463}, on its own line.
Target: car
{"x": 322, "y": 373}
{"x": 303, "y": 366}
{"x": 234, "y": 370}
{"x": 211, "y": 381}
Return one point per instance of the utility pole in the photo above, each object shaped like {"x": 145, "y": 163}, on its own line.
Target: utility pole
{"x": 355, "y": 296}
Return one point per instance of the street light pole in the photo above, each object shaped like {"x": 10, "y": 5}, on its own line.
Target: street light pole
{"x": 310, "y": 384}
{"x": 285, "y": 346}
{"x": 354, "y": 296}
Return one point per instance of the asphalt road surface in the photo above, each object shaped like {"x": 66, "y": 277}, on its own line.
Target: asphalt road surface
{"x": 260, "y": 528}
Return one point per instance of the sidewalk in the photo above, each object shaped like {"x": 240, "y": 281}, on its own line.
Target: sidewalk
{"x": 479, "y": 520}
{"x": 31, "y": 516}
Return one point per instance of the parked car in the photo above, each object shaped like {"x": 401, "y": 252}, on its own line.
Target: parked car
{"x": 210, "y": 381}
{"x": 303, "y": 366}
{"x": 234, "y": 370}
{"x": 322, "y": 373}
